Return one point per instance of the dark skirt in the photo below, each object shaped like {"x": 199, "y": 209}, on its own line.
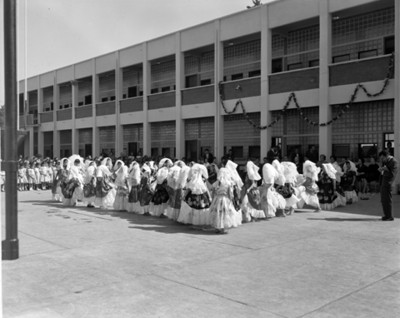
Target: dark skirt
{"x": 175, "y": 199}
{"x": 134, "y": 194}
{"x": 68, "y": 188}
{"x": 89, "y": 190}
{"x": 286, "y": 190}
{"x": 198, "y": 201}
{"x": 160, "y": 195}
{"x": 102, "y": 187}
{"x": 254, "y": 198}
{"x": 326, "y": 194}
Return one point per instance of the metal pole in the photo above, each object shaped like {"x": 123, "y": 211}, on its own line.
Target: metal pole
{"x": 10, "y": 245}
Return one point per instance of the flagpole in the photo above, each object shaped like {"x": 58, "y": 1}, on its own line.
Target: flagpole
{"x": 10, "y": 246}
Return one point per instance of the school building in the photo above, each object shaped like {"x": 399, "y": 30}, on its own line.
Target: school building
{"x": 293, "y": 73}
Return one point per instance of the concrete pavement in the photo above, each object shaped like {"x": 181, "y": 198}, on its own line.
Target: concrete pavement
{"x": 81, "y": 262}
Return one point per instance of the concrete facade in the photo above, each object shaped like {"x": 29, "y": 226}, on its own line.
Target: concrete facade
{"x": 317, "y": 49}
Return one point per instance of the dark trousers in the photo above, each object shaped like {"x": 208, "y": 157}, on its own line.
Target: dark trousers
{"x": 386, "y": 198}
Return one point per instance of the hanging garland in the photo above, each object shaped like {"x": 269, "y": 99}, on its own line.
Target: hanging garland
{"x": 292, "y": 97}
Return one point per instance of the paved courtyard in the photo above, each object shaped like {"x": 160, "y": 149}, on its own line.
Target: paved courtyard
{"x": 80, "y": 262}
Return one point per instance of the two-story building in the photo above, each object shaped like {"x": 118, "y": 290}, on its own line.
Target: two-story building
{"x": 292, "y": 68}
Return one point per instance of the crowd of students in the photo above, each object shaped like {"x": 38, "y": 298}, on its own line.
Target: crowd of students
{"x": 204, "y": 194}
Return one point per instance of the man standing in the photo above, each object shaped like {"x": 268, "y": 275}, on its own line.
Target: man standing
{"x": 388, "y": 174}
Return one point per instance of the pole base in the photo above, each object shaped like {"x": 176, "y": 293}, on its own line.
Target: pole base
{"x": 10, "y": 249}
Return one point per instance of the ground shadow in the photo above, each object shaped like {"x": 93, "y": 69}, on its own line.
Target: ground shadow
{"x": 345, "y": 219}
{"x": 137, "y": 221}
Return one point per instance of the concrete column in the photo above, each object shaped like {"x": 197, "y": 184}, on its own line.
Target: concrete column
{"x": 40, "y": 110}
{"x": 397, "y": 86}
{"x": 397, "y": 82}
{"x": 325, "y": 110}
{"x": 146, "y": 90}
{"x": 218, "y": 75}
{"x": 95, "y": 132}
{"x": 265, "y": 115}
{"x": 118, "y": 94}
{"x": 74, "y": 131}
{"x": 56, "y": 106}
{"x": 179, "y": 122}
{"x": 31, "y": 142}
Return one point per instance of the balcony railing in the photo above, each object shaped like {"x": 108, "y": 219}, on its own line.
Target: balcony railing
{"x": 134, "y": 104}
{"x": 358, "y": 71}
{"x": 46, "y": 117}
{"x": 64, "y": 114}
{"x": 198, "y": 95}
{"x": 162, "y": 100}
{"x": 84, "y": 111}
{"x": 107, "y": 108}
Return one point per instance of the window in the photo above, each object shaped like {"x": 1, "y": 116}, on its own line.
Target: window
{"x": 80, "y": 104}
{"x": 165, "y": 88}
{"x": 388, "y": 142}
{"x": 341, "y": 150}
{"x": 313, "y": 63}
{"x": 367, "y": 53}
{"x": 237, "y": 151}
{"x": 88, "y": 99}
{"x": 255, "y": 73}
{"x": 294, "y": 66}
{"x": 367, "y": 150}
{"x": 254, "y": 151}
{"x": 132, "y": 91}
{"x": 123, "y": 96}
{"x": 389, "y": 44}
{"x": 341, "y": 58}
{"x": 154, "y": 91}
{"x": 154, "y": 152}
{"x": 205, "y": 82}
{"x": 112, "y": 98}
{"x": 277, "y": 65}
{"x": 104, "y": 99}
{"x": 191, "y": 81}
{"x": 236, "y": 76}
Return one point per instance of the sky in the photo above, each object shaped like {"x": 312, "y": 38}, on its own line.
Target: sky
{"x": 64, "y": 32}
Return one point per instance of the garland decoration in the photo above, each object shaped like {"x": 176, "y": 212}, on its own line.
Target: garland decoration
{"x": 292, "y": 97}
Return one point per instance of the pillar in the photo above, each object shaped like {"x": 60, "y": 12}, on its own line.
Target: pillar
{"x": 218, "y": 75}
{"x": 265, "y": 114}
{"x": 179, "y": 122}
{"x": 146, "y": 90}
{"x": 325, "y": 110}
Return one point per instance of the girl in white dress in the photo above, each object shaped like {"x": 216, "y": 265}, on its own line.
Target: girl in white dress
{"x": 121, "y": 182}
{"x": 251, "y": 200}
{"x": 105, "y": 189}
{"x": 223, "y": 214}
{"x": 159, "y": 201}
{"x": 175, "y": 192}
{"x": 197, "y": 199}
{"x": 133, "y": 204}
{"x": 89, "y": 187}
{"x": 309, "y": 189}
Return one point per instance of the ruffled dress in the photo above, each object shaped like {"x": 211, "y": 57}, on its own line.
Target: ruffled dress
{"x": 309, "y": 193}
{"x": 196, "y": 203}
{"x": 251, "y": 202}
{"x": 288, "y": 193}
{"x": 223, "y": 214}
{"x": 145, "y": 195}
{"x": 133, "y": 204}
{"x": 105, "y": 189}
{"x": 67, "y": 186}
{"x": 121, "y": 197}
{"x": 327, "y": 196}
{"x": 89, "y": 187}
{"x": 348, "y": 188}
